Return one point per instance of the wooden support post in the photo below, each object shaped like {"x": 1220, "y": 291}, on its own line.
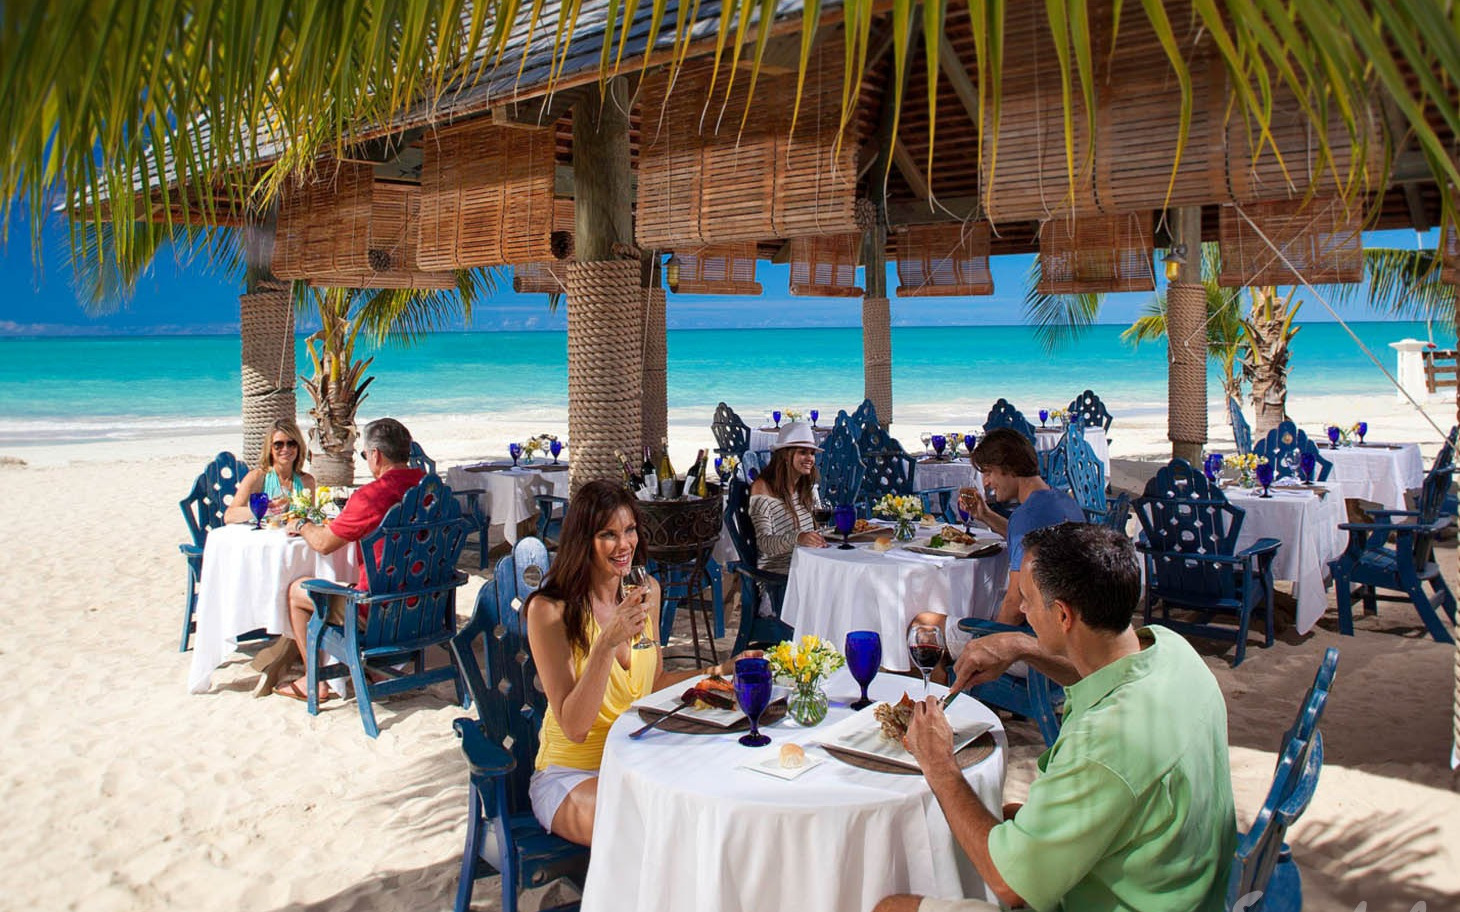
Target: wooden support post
{"x": 266, "y": 331}
{"x": 1186, "y": 343}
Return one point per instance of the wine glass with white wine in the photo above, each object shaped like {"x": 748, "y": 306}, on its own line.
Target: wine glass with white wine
{"x": 637, "y": 578}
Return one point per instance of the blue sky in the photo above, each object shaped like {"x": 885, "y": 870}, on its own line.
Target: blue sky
{"x": 40, "y": 299}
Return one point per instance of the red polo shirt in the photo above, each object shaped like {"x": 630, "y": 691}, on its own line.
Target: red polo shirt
{"x": 368, "y": 506}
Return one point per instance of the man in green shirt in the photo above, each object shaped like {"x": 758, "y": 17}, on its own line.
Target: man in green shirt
{"x": 1132, "y": 811}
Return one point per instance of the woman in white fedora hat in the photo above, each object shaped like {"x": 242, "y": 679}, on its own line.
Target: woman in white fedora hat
{"x": 782, "y": 498}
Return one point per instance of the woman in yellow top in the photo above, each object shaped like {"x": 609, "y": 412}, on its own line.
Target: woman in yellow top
{"x": 580, "y": 629}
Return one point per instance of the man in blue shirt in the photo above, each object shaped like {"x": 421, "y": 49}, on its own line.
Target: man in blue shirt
{"x": 1010, "y": 470}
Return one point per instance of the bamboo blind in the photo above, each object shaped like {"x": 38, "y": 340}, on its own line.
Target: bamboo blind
{"x": 1095, "y": 254}
{"x": 726, "y": 269}
{"x": 323, "y": 224}
{"x": 1320, "y": 237}
{"x": 825, "y": 265}
{"x": 392, "y": 259}
{"x": 1450, "y": 256}
{"x": 946, "y": 259}
{"x": 1289, "y": 164}
{"x": 549, "y": 276}
{"x": 487, "y": 196}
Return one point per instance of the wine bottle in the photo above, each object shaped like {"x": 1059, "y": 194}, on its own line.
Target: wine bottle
{"x": 695, "y": 475}
{"x": 702, "y": 489}
{"x": 651, "y": 478}
{"x": 632, "y": 480}
{"x": 666, "y": 468}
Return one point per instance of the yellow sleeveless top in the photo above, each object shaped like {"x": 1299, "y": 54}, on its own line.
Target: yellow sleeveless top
{"x": 624, "y": 687}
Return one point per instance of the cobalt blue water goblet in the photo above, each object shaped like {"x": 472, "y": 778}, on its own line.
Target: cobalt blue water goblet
{"x": 776, "y": 417}
{"x": 258, "y": 504}
{"x": 1264, "y": 478}
{"x": 1307, "y": 462}
{"x": 753, "y": 693}
{"x": 864, "y": 657}
{"x": 969, "y": 441}
{"x": 1212, "y": 466}
{"x": 1363, "y": 428}
{"x": 939, "y": 444}
{"x": 515, "y": 451}
{"x": 814, "y": 415}
{"x": 555, "y": 447}
{"x": 845, "y": 518}
{"x": 1333, "y": 434}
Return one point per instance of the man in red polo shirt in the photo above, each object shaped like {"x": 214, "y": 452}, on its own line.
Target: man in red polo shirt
{"x": 387, "y": 447}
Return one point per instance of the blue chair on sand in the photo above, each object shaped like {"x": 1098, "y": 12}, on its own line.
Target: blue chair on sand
{"x": 896, "y": 473}
{"x": 1370, "y": 562}
{"x": 472, "y": 500}
{"x": 1003, "y": 414}
{"x": 840, "y": 466}
{"x": 1284, "y": 447}
{"x": 1117, "y": 513}
{"x": 502, "y": 835}
{"x": 1054, "y": 462}
{"x": 203, "y": 509}
{"x": 1085, "y": 474}
{"x": 1445, "y": 459}
{"x": 1086, "y": 409}
{"x": 1241, "y": 430}
{"x": 551, "y": 509}
{"x": 864, "y": 417}
{"x": 1033, "y": 695}
{"x": 419, "y": 460}
{"x": 732, "y": 435}
{"x": 409, "y": 607}
{"x": 1189, "y": 537}
{"x": 754, "y": 581}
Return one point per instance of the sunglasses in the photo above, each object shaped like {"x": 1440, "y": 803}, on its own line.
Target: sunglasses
{"x": 365, "y": 455}
{"x": 279, "y": 445}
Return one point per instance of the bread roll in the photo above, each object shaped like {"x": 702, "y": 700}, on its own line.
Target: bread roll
{"x": 883, "y": 543}
{"x": 792, "y": 756}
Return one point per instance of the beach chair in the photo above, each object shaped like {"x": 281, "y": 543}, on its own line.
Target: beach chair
{"x": 754, "y": 581}
{"x": 419, "y": 460}
{"x": 1053, "y": 463}
{"x": 864, "y": 417}
{"x": 409, "y": 607}
{"x": 500, "y": 744}
{"x": 1284, "y": 447}
{"x": 1032, "y": 695}
{"x": 551, "y": 509}
{"x": 732, "y": 435}
{"x": 839, "y": 465}
{"x": 1189, "y": 536}
{"x": 1085, "y": 474}
{"x": 203, "y": 509}
{"x": 1087, "y": 410}
{"x": 473, "y": 504}
{"x": 1445, "y": 459}
{"x": 1003, "y": 414}
{"x": 1370, "y": 563}
{"x": 1241, "y": 430}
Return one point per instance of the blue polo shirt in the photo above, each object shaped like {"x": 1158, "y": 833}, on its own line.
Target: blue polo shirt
{"x": 1043, "y": 508}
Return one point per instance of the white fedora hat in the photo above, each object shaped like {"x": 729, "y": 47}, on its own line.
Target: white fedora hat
{"x": 796, "y": 434}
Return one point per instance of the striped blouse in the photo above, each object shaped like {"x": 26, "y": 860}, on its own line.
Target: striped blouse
{"x": 776, "y": 529}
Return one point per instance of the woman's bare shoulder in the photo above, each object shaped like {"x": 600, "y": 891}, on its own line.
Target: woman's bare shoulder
{"x": 308, "y": 480}
{"x": 543, "y": 609}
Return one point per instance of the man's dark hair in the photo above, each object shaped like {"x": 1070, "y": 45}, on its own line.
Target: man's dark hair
{"x": 1007, "y": 449}
{"x": 390, "y": 437}
{"x": 1088, "y": 567}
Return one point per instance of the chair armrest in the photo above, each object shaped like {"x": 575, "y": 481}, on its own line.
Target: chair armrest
{"x": 1384, "y": 513}
{"x": 1261, "y": 547}
{"x": 190, "y": 550}
{"x": 329, "y": 587}
{"x": 1385, "y": 528}
{"x": 468, "y": 492}
{"x": 764, "y": 576}
{"x": 981, "y": 627}
{"x": 485, "y": 757}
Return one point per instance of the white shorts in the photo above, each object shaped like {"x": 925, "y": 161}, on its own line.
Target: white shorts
{"x": 549, "y": 787}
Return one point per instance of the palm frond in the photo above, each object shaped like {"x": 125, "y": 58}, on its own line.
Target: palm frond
{"x": 1058, "y": 320}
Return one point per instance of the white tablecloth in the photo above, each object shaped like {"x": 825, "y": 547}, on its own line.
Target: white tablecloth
{"x": 246, "y": 575}
{"x": 1307, "y": 526}
{"x": 511, "y": 492}
{"x": 680, "y": 827}
{"x": 832, "y": 592}
{"x": 957, "y": 473}
{"x": 763, "y": 438}
{"x": 1375, "y": 472}
{"x": 1045, "y": 438}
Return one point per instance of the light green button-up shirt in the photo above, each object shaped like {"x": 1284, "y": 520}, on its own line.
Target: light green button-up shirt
{"x": 1132, "y": 811}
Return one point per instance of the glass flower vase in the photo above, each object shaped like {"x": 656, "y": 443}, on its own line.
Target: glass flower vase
{"x": 808, "y": 703}
{"x": 1246, "y": 479}
{"x": 904, "y": 531}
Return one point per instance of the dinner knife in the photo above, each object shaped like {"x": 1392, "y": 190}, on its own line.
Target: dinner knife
{"x": 949, "y": 699}
{"x": 638, "y": 733}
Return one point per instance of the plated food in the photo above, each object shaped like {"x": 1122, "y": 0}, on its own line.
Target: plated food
{"x": 883, "y": 543}
{"x": 956, "y": 535}
{"x": 894, "y": 718}
{"x": 863, "y": 525}
{"x": 713, "y": 692}
{"x": 793, "y": 756}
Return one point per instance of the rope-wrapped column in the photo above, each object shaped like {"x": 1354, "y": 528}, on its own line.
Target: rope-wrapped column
{"x": 605, "y": 366}
{"x": 266, "y": 328}
{"x": 1186, "y": 364}
{"x": 656, "y": 353}
{"x": 1455, "y": 734}
{"x": 877, "y": 355}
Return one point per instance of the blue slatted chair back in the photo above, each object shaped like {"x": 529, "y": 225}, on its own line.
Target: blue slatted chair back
{"x": 1088, "y": 410}
{"x": 840, "y": 466}
{"x": 1445, "y": 458}
{"x": 419, "y": 460}
{"x": 732, "y": 435}
{"x": 413, "y": 580}
{"x": 875, "y": 440}
{"x": 1284, "y": 446}
{"x": 1315, "y": 701}
{"x": 864, "y": 417}
{"x": 887, "y": 473}
{"x": 738, "y": 523}
{"x": 1261, "y": 851}
{"x": 1181, "y": 514}
{"x": 1004, "y": 414}
{"x": 1084, "y": 472}
{"x": 1432, "y": 494}
{"x": 211, "y": 495}
{"x": 1241, "y": 430}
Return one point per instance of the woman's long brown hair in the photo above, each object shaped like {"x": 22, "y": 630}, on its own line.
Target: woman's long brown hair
{"x": 779, "y": 477}
{"x": 571, "y": 575}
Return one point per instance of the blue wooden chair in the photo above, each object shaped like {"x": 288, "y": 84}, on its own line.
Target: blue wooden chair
{"x": 1315, "y": 701}
{"x": 409, "y": 607}
{"x": 550, "y": 512}
{"x": 1033, "y": 695}
{"x": 473, "y": 504}
{"x": 895, "y": 472}
{"x": 1284, "y": 447}
{"x": 1054, "y": 463}
{"x": 1445, "y": 459}
{"x": 839, "y": 465}
{"x": 1003, "y": 414}
{"x": 1264, "y": 877}
{"x": 864, "y": 417}
{"x": 1189, "y": 537}
{"x": 1371, "y": 563}
{"x": 732, "y": 435}
{"x": 1241, "y": 430}
{"x": 502, "y": 835}
{"x": 1086, "y": 409}
{"x": 1117, "y": 513}
{"x": 203, "y": 509}
{"x": 1085, "y": 474}
{"x": 753, "y": 580}
{"x": 873, "y": 439}
{"x": 419, "y": 460}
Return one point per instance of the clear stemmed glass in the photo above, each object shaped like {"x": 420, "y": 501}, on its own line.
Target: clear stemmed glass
{"x": 927, "y": 438}
{"x": 925, "y": 647}
{"x": 258, "y": 504}
{"x": 864, "y": 657}
{"x": 753, "y": 693}
{"x": 637, "y": 578}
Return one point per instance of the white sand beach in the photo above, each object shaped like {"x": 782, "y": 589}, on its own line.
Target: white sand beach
{"x": 122, "y": 791}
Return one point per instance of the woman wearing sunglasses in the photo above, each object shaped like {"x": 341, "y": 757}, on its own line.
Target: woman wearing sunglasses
{"x": 279, "y": 472}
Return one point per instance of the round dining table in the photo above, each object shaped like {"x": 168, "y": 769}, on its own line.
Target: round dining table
{"x": 763, "y": 438}
{"x": 244, "y": 587}
{"x": 1377, "y": 472}
{"x": 831, "y": 592}
{"x": 933, "y": 472}
{"x": 511, "y": 490}
{"x": 1306, "y": 521}
{"x": 682, "y": 824}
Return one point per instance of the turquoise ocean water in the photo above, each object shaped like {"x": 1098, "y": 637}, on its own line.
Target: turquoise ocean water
{"x": 72, "y": 389}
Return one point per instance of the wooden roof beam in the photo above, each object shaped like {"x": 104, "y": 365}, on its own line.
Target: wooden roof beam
{"x": 957, "y": 74}
{"x": 908, "y": 168}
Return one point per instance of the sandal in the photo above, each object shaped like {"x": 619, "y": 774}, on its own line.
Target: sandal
{"x": 294, "y": 691}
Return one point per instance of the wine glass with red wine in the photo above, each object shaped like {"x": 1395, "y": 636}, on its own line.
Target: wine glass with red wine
{"x": 925, "y": 648}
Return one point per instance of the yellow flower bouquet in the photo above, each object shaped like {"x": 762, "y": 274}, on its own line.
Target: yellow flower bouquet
{"x": 805, "y": 663}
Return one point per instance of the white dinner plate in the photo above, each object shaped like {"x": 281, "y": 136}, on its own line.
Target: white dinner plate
{"x": 861, "y": 733}
{"x": 771, "y": 766}
{"x": 668, "y": 699}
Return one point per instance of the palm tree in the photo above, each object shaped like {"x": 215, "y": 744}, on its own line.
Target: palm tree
{"x": 1270, "y": 333}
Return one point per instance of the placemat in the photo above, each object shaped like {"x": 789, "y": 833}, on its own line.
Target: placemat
{"x": 487, "y": 468}
{"x": 551, "y": 467}
{"x": 976, "y": 751}
{"x": 1378, "y": 446}
{"x": 685, "y": 726}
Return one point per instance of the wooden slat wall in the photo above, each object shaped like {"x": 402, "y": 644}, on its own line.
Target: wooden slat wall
{"x": 1320, "y": 237}
{"x": 1095, "y": 254}
{"x": 323, "y": 225}
{"x": 944, "y": 259}
{"x": 816, "y": 183}
{"x": 727, "y": 269}
{"x": 486, "y": 196}
{"x": 668, "y": 209}
{"x": 391, "y": 260}
{"x": 739, "y": 164}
